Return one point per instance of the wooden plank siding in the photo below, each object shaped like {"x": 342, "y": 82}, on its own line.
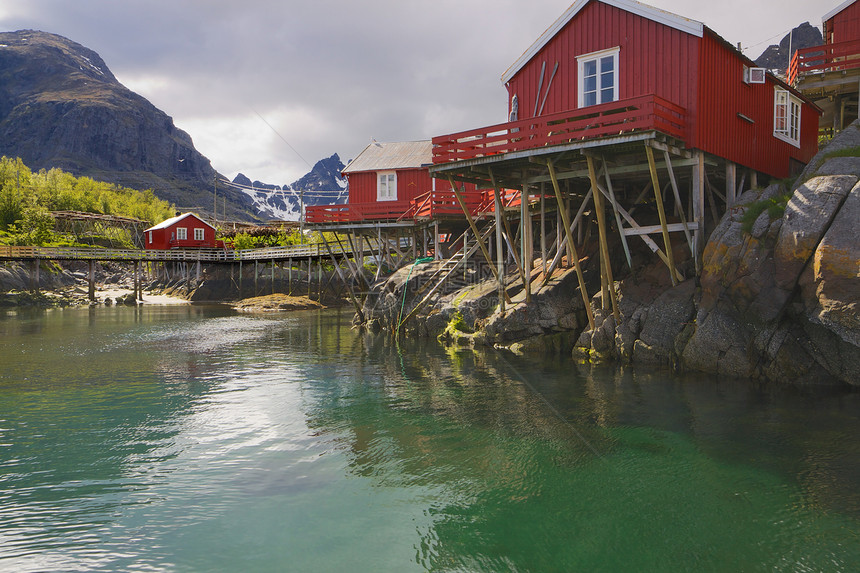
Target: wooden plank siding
{"x": 653, "y": 59}
{"x": 844, "y": 26}
{"x": 410, "y": 184}
{"x": 721, "y": 131}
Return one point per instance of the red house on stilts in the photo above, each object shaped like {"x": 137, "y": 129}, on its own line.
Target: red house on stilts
{"x": 619, "y": 100}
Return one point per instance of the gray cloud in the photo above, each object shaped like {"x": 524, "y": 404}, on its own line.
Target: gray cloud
{"x": 329, "y": 74}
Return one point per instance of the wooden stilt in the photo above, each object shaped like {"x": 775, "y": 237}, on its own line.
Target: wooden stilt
{"x": 91, "y": 280}
{"x": 543, "y": 228}
{"x": 571, "y": 248}
{"x": 661, "y": 211}
{"x": 678, "y": 203}
{"x": 699, "y": 208}
{"x": 731, "y": 184}
{"x": 500, "y": 260}
{"x": 471, "y": 222}
{"x": 609, "y": 283}
{"x": 525, "y": 250}
{"x": 614, "y": 204}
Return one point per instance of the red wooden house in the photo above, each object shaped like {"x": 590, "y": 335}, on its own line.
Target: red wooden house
{"x": 391, "y": 182}
{"x": 829, "y": 74}
{"x": 659, "y": 71}
{"x": 186, "y": 231}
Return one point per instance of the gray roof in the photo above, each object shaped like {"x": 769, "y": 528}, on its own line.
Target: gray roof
{"x": 399, "y": 155}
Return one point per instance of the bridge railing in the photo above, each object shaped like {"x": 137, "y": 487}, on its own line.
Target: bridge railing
{"x": 202, "y": 255}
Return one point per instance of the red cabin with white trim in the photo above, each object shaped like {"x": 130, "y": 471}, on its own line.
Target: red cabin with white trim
{"x": 602, "y": 52}
{"x": 186, "y": 231}
{"x": 842, "y": 24}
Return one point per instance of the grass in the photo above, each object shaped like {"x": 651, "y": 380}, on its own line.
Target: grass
{"x": 775, "y": 207}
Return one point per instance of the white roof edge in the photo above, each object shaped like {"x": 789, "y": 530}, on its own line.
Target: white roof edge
{"x": 837, "y": 10}
{"x": 176, "y": 219}
{"x": 650, "y": 12}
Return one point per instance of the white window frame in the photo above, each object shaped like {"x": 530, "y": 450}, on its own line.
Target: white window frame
{"x": 150, "y": 237}
{"x": 199, "y": 234}
{"x": 386, "y": 186}
{"x": 181, "y": 233}
{"x": 786, "y": 116}
{"x": 597, "y": 57}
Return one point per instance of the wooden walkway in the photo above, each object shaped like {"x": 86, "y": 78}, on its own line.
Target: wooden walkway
{"x": 315, "y": 251}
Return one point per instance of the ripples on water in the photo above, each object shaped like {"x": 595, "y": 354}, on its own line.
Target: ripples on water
{"x": 193, "y": 439}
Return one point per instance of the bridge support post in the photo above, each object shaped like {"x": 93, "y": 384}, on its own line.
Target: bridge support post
{"x": 91, "y": 280}
{"x": 34, "y": 276}
{"x": 135, "y": 273}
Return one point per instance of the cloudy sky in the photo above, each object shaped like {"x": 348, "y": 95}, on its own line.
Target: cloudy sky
{"x": 269, "y": 87}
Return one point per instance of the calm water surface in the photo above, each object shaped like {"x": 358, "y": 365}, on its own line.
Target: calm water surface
{"x": 194, "y": 439}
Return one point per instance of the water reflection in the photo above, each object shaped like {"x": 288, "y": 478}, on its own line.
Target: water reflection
{"x": 194, "y": 438}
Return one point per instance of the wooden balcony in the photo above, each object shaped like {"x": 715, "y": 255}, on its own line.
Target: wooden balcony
{"x": 431, "y": 205}
{"x": 838, "y": 57}
{"x": 645, "y": 113}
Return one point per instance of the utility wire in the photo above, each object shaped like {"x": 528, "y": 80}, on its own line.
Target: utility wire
{"x": 284, "y": 140}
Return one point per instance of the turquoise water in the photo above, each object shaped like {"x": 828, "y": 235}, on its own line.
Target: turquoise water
{"x": 194, "y": 439}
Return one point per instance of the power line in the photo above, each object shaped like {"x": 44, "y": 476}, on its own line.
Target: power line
{"x": 282, "y": 139}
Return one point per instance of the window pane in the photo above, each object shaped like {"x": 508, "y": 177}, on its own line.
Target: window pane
{"x": 590, "y": 84}
{"x": 607, "y": 64}
{"x": 591, "y": 98}
{"x": 589, "y": 68}
{"x": 606, "y": 95}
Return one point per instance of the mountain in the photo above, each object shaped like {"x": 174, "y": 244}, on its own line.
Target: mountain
{"x": 776, "y": 57}
{"x": 60, "y": 106}
{"x": 323, "y": 185}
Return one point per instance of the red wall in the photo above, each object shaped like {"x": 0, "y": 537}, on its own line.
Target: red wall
{"x": 410, "y": 184}
{"x": 653, "y": 58}
{"x": 844, "y": 26}
{"x": 721, "y": 132}
{"x": 161, "y": 238}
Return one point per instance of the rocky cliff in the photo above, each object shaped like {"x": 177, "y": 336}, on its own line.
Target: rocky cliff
{"x": 778, "y": 298}
{"x": 777, "y": 56}
{"x": 60, "y": 106}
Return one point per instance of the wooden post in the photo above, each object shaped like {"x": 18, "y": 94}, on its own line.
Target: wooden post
{"x": 525, "y": 231}
{"x": 617, "y": 216}
{"x": 699, "y": 209}
{"x": 290, "y": 277}
{"x": 135, "y": 280}
{"x": 679, "y": 206}
{"x": 500, "y": 261}
{"x": 471, "y": 223}
{"x": 91, "y": 280}
{"x": 34, "y": 276}
{"x": 731, "y": 184}
{"x": 661, "y": 211}
{"x": 604, "y": 242}
{"x": 543, "y": 228}
{"x": 571, "y": 248}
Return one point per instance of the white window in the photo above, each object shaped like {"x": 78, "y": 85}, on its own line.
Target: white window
{"x": 198, "y": 234}
{"x": 786, "y": 117}
{"x": 598, "y": 77}
{"x": 150, "y": 236}
{"x": 181, "y": 233}
{"x": 386, "y": 188}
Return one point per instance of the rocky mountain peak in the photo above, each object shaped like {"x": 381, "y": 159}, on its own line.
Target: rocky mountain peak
{"x": 777, "y": 56}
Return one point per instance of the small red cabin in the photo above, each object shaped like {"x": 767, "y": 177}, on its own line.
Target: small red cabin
{"x": 186, "y": 231}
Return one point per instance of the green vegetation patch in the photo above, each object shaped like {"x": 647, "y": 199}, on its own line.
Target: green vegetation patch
{"x": 775, "y": 207}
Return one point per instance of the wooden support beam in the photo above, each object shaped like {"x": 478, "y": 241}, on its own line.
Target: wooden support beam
{"x": 614, "y": 204}
{"x": 661, "y": 211}
{"x": 472, "y": 225}
{"x": 500, "y": 261}
{"x": 571, "y": 248}
{"x": 562, "y": 247}
{"x": 731, "y": 184}
{"x": 698, "y": 214}
{"x": 609, "y": 282}
{"x": 342, "y": 278}
{"x": 525, "y": 240}
{"x": 678, "y": 202}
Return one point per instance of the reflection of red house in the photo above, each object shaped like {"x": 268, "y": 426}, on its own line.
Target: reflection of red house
{"x": 186, "y": 231}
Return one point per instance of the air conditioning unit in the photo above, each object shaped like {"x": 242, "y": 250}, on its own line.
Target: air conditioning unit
{"x": 756, "y": 75}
